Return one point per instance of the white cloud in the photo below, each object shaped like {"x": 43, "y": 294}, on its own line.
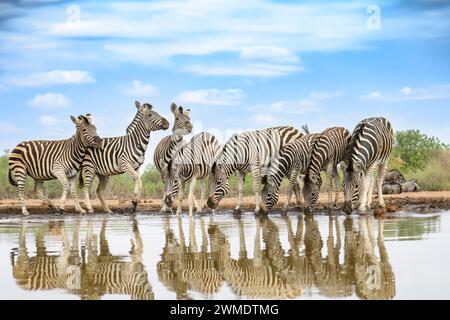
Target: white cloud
{"x": 275, "y": 54}
{"x": 407, "y": 93}
{"x": 50, "y": 100}
{"x": 216, "y": 97}
{"x": 140, "y": 90}
{"x": 51, "y": 78}
{"x": 264, "y": 118}
{"x": 47, "y": 120}
{"x": 246, "y": 69}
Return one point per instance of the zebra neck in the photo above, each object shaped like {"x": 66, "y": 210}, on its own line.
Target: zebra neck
{"x": 76, "y": 148}
{"x": 176, "y": 141}
{"x": 133, "y": 124}
{"x": 140, "y": 137}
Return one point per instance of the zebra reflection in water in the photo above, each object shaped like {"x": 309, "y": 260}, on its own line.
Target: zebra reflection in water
{"x": 89, "y": 273}
{"x": 275, "y": 272}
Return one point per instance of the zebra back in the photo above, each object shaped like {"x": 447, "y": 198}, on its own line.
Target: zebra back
{"x": 371, "y": 142}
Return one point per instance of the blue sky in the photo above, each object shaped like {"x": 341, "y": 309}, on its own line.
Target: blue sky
{"x": 237, "y": 65}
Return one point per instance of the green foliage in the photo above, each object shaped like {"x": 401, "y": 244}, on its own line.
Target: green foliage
{"x": 412, "y": 150}
{"x": 436, "y": 174}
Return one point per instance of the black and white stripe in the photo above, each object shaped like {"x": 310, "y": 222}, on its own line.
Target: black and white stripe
{"x": 45, "y": 160}
{"x": 292, "y": 161}
{"x": 124, "y": 154}
{"x": 191, "y": 163}
{"x": 370, "y": 148}
{"x": 329, "y": 149}
{"x": 251, "y": 151}
{"x": 169, "y": 146}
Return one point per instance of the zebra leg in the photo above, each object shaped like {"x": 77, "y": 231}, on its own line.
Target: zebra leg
{"x": 363, "y": 193}
{"x": 256, "y": 176}
{"x": 298, "y": 191}
{"x": 40, "y": 193}
{"x": 330, "y": 183}
{"x": 164, "y": 208}
{"x": 61, "y": 176}
{"x": 370, "y": 191}
{"x": 240, "y": 190}
{"x": 191, "y": 198}
{"x": 201, "y": 204}
{"x": 380, "y": 179}
{"x": 88, "y": 178}
{"x": 291, "y": 186}
{"x": 21, "y": 194}
{"x": 102, "y": 183}
{"x": 137, "y": 185}
{"x": 73, "y": 191}
{"x": 336, "y": 179}
{"x": 180, "y": 197}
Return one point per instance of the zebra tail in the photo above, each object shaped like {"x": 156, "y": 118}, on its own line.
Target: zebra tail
{"x": 11, "y": 179}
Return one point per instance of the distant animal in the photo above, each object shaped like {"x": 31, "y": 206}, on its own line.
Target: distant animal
{"x": 394, "y": 176}
{"x": 410, "y": 186}
{"x": 192, "y": 162}
{"x": 124, "y": 154}
{"x": 48, "y": 160}
{"x": 250, "y": 151}
{"x": 370, "y": 148}
{"x": 168, "y": 146}
{"x": 392, "y": 188}
{"x": 328, "y": 150}
{"x": 292, "y": 162}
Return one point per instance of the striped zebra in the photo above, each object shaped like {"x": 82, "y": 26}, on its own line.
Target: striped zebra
{"x": 250, "y": 151}
{"x": 45, "y": 160}
{"x": 329, "y": 149}
{"x": 370, "y": 148}
{"x": 292, "y": 162}
{"x": 168, "y": 146}
{"x": 124, "y": 154}
{"x": 191, "y": 163}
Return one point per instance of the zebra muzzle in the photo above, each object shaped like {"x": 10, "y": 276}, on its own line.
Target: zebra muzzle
{"x": 211, "y": 203}
{"x": 348, "y": 208}
{"x": 168, "y": 201}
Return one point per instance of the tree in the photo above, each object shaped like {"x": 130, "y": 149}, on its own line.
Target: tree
{"x": 413, "y": 149}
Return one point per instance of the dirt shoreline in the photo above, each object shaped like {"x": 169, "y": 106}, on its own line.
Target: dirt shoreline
{"x": 425, "y": 202}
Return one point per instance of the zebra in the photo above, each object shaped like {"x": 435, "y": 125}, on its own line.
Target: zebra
{"x": 292, "y": 161}
{"x": 168, "y": 146}
{"x": 370, "y": 148}
{"x": 329, "y": 150}
{"x": 45, "y": 160}
{"x": 191, "y": 163}
{"x": 124, "y": 154}
{"x": 250, "y": 151}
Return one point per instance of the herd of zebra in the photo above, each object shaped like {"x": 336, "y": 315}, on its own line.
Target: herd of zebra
{"x": 269, "y": 155}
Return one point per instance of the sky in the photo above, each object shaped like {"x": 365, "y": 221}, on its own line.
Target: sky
{"x": 238, "y": 65}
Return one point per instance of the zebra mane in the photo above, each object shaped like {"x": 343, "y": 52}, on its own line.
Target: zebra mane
{"x": 133, "y": 123}
{"x": 355, "y": 138}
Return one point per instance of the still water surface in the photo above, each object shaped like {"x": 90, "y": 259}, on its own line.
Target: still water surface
{"x": 221, "y": 257}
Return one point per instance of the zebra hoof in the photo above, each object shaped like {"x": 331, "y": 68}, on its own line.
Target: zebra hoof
{"x": 135, "y": 203}
{"x": 60, "y": 211}
{"x": 263, "y": 212}
{"x": 237, "y": 211}
{"x": 25, "y": 213}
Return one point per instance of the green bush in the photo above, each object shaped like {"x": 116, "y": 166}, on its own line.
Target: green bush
{"x": 436, "y": 174}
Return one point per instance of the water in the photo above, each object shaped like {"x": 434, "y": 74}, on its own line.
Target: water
{"x": 221, "y": 257}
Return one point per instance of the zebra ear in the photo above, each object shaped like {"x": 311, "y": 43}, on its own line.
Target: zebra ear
{"x": 186, "y": 112}
{"x": 213, "y": 168}
{"x": 137, "y": 104}
{"x": 89, "y": 117}
{"x": 75, "y": 120}
{"x": 173, "y": 108}
{"x": 180, "y": 109}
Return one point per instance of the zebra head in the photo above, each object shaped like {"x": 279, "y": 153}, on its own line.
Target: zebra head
{"x": 352, "y": 182}
{"x": 152, "y": 120}
{"x": 311, "y": 190}
{"x": 171, "y": 183}
{"x": 270, "y": 193}
{"x": 219, "y": 185}
{"x": 182, "y": 124}
{"x": 86, "y": 131}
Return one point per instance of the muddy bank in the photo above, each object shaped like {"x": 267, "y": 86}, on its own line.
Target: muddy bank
{"x": 421, "y": 202}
